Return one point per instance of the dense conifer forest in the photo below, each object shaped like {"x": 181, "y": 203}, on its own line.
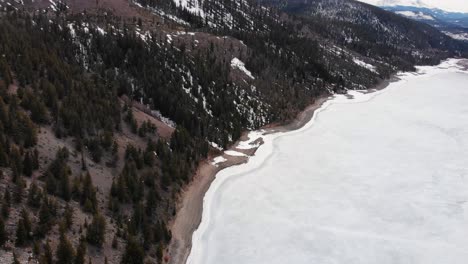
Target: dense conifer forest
{"x": 85, "y": 178}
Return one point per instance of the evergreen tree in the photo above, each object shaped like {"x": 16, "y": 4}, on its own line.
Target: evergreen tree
{"x": 47, "y": 257}
{"x": 134, "y": 253}
{"x": 5, "y": 72}
{"x": 16, "y": 163}
{"x": 35, "y": 159}
{"x": 68, "y": 216}
{"x": 97, "y": 230}
{"x": 36, "y": 249}
{"x": 46, "y": 217}
{"x": 115, "y": 242}
{"x": 23, "y": 230}
{"x": 65, "y": 252}
{"x": 3, "y": 233}
{"x": 28, "y": 166}
{"x": 65, "y": 187}
{"x": 81, "y": 252}
{"x": 19, "y": 192}
{"x": 26, "y": 222}
{"x": 6, "y": 204}
{"x": 15, "y": 259}
{"x": 88, "y": 195}
{"x": 34, "y": 195}
{"x": 21, "y": 234}
{"x": 57, "y": 175}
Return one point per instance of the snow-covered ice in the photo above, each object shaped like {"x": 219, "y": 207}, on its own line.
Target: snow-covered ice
{"x": 381, "y": 178}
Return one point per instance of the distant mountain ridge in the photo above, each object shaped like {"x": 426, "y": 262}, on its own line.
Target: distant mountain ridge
{"x": 453, "y": 24}
{"x": 415, "y": 3}
{"x": 440, "y": 18}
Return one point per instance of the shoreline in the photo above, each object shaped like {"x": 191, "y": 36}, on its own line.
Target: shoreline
{"x": 190, "y": 206}
{"x": 203, "y": 243}
{"x": 191, "y": 200}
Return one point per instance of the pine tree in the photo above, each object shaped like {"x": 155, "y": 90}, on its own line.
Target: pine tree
{"x": 115, "y": 242}
{"x": 65, "y": 252}
{"x": 28, "y": 166}
{"x": 81, "y": 252}
{"x": 68, "y": 216}
{"x": 15, "y": 259}
{"x": 21, "y": 234}
{"x": 26, "y": 222}
{"x": 47, "y": 257}
{"x": 3, "y": 233}
{"x": 35, "y": 159}
{"x": 46, "y": 217}
{"x": 134, "y": 253}
{"x": 16, "y": 163}
{"x": 97, "y": 230}
{"x": 5, "y": 72}
{"x": 3, "y": 156}
{"x": 88, "y": 195}
{"x": 34, "y": 195}
{"x": 6, "y": 204}
{"x": 19, "y": 189}
{"x": 36, "y": 248}
{"x": 65, "y": 187}
{"x": 160, "y": 251}
{"x": 23, "y": 230}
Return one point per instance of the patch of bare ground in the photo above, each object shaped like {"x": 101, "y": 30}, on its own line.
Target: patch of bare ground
{"x": 142, "y": 113}
{"x": 102, "y": 176}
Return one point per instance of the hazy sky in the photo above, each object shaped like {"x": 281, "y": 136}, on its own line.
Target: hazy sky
{"x": 450, "y": 5}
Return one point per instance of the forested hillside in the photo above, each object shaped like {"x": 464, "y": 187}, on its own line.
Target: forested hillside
{"x": 106, "y": 108}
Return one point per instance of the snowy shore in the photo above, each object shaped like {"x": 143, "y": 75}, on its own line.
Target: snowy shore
{"x": 224, "y": 232}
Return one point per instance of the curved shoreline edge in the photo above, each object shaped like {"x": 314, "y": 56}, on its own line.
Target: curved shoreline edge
{"x": 188, "y": 227}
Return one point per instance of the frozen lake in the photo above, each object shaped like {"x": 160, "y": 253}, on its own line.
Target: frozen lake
{"x": 382, "y": 178}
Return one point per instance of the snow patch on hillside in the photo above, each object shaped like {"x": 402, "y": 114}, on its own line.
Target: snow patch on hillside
{"x": 234, "y": 153}
{"x": 253, "y": 137}
{"x": 238, "y": 64}
{"x": 218, "y": 160}
{"x": 365, "y": 65}
{"x": 164, "y": 119}
{"x": 192, "y": 6}
{"x": 214, "y": 145}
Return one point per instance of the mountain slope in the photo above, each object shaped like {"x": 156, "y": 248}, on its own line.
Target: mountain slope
{"x": 452, "y": 23}
{"x": 140, "y": 92}
{"x": 377, "y": 27}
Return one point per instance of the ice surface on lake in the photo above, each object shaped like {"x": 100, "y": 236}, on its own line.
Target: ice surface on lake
{"x": 379, "y": 179}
